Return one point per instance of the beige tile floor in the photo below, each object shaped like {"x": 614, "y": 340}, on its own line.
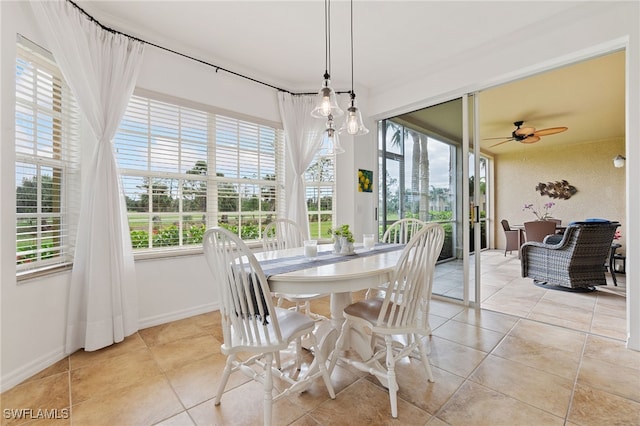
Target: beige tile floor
{"x": 531, "y": 356}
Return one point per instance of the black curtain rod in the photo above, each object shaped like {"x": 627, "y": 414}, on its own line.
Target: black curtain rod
{"x": 217, "y": 67}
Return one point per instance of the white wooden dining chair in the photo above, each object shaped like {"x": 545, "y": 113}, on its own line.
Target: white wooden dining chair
{"x": 396, "y": 315}
{"x": 401, "y": 231}
{"x": 252, "y": 326}
{"x": 282, "y": 234}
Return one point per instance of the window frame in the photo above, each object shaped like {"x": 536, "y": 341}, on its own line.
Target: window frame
{"x": 46, "y": 137}
{"x": 213, "y": 216}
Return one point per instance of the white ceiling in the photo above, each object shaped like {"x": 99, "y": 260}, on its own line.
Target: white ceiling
{"x": 282, "y": 43}
{"x": 587, "y": 97}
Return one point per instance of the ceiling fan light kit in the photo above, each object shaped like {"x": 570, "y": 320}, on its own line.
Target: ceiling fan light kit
{"x": 618, "y": 162}
{"x": 528, "y": 134}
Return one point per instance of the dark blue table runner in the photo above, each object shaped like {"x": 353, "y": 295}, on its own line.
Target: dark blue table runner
{"x": 296, "y": 263}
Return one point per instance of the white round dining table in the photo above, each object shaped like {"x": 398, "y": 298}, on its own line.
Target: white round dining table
{"x": 338, "y": 279}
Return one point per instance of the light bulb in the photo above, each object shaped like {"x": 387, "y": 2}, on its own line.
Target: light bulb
{"x": 326, "y": 103}
{"x": 352, "y": 121}
{"x": 332, "y": 138}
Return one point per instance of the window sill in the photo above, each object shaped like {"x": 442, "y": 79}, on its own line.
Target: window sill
{"x": 137, "y": 256}
{"x": 179, "y": 252}
{"x": 43, "y": 272}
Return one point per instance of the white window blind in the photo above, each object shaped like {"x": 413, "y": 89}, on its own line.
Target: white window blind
{"x": 186, "y": 168}
{"x": 47, "y": 163}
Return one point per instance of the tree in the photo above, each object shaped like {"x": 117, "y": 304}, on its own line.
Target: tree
{"x": 419, "y": 168}
{"x": 227, "y": 196}
{"x": 392, "y": 197}
{"x": 161, "y": 195}
{"x": 425, "y": 207}
{"x": 268, "y": 194}
{"x": 321, "y": 170}
{"x": 27, "y": 194}
{"x": 194, "y": 192}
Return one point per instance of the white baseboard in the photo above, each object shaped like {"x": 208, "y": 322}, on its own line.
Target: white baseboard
{"x": 177, "y": 315}
{"x": 12, "y": 378}
{"x": 18, "y": 375}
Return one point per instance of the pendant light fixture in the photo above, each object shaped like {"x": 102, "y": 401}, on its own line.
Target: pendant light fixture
{"x": 327, "y": 103}
{"x": 332, "y": 137}
{"x": 353, "y": 121}
{"x": 330, "y": 140}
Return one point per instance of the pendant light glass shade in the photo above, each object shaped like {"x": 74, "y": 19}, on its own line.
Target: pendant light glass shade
{"x": 326, "y": 102}
{"x": 334, "y": 141}
{"x": 331, "y": 141}
{"x": 353, "y": 120}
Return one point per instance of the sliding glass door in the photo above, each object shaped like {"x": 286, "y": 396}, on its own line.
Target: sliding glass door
{"x": 427, "y": 168}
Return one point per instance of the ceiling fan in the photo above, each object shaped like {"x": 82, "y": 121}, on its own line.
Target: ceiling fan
{"x": 528, "y": 134}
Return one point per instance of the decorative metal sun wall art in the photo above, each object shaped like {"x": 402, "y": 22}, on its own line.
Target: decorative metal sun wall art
{"x": 560, "y": 189}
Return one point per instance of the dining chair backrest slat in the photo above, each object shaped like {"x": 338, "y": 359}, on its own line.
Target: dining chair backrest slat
{"x": 248, "y": 315}
{"x": 401, "y": 231}
{"x": 412, "y": 278}
{"x": 282, "y": 234}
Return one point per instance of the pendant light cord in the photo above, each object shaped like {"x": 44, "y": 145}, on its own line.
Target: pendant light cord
{"x": 327, "y": 38}
{"x": 352, "y": 91}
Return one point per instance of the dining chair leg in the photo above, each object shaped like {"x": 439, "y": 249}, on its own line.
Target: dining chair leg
{"x": 298, "y": 353}
{"x": 425, "y": 358}
{"x": 612, "y": 266}
{"x": 391, "y": 376}
{"x": 228, "y": 368}
{"x": 268, "y": 387}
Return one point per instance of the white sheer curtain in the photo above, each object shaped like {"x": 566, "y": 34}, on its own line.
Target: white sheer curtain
{"x": 101, "y": 68}
{"x": 304, "y": 138}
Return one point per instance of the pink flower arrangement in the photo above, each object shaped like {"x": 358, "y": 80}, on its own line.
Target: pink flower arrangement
{"x": 617, "y": 235}
{"x": 541, "y": 214}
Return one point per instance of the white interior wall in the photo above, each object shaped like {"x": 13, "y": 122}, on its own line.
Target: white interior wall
{"x": 587, "y": 166}
{"x": 33, "y": 313}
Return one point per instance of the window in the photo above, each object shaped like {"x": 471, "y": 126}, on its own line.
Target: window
{"x": 320, "y": 191}
{"x": 46, "y": 161}
{"x": 186, "y": 167}
{"x": 418, "y": 181}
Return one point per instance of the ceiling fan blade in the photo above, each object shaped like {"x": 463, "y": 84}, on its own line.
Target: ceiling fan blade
{"x": 500, "y": 143}
{"x": 530, "y": 139}
{"x": 550, "y": 131}
{"x": 524, "y": 131}
{"x": 503, "y": 137}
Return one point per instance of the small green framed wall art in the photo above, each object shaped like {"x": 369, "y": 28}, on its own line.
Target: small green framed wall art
{"x": 365, "y": 180}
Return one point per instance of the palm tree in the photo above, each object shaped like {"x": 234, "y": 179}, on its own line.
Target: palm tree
{"x": 419, "y": 167}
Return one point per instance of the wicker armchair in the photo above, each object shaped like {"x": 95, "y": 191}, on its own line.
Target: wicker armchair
{"x": 512, "y": 237}
{"x": 577, "y": 261}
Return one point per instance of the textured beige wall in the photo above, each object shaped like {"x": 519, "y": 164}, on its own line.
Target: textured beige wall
{"x": 587, "y": 166}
